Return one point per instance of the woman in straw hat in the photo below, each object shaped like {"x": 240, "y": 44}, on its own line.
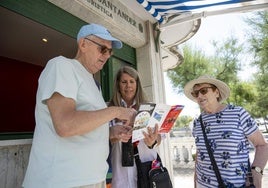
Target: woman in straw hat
{"x": 228, "y": 129}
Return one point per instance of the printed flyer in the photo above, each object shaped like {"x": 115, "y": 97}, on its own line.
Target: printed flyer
{"x": 150, "y": 114}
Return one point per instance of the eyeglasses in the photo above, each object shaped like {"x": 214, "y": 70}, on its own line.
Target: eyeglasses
{"x": 103, "y": 49}
{"x": 203, "y": 91}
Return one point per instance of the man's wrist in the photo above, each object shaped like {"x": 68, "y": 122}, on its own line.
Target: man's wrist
{"x": 111, "y": 133}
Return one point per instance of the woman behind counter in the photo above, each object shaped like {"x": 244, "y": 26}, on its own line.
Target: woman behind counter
{"x": 128, "y": 93}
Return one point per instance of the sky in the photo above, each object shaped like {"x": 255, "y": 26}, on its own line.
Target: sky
{"x": 212, "y": 28}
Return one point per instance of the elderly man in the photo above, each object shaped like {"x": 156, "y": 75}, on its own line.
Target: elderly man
{"x": 71, "y": 138}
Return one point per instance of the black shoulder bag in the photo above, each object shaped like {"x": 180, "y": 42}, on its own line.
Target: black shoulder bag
{"x": 215, "y": 167}
{"x": 149, "y": 177}
{"x": 212, "y": 159}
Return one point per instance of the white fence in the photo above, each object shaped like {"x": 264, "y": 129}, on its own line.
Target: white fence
{"x": 182, "y": 151}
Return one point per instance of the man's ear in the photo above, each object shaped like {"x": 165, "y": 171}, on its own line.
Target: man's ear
{"x": 81, "y": 44}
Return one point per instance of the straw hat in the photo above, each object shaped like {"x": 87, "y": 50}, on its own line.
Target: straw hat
{"x": 222, "y": 87}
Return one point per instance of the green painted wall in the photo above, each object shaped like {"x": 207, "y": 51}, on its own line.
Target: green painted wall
{"x": 56, "y": 18}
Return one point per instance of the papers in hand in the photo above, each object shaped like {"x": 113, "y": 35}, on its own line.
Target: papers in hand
{"x": 150, "y": 113}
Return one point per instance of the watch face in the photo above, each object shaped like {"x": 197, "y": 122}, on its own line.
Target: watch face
{"x": 258, "y": 169}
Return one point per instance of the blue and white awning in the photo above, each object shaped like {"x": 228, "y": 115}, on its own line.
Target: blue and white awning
{"x": 162, "y": 9}
{"x": 179, "y": 20}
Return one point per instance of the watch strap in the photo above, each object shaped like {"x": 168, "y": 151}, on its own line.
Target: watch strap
{"x": 152, "y": 146}
{"x": 257, "y": 169}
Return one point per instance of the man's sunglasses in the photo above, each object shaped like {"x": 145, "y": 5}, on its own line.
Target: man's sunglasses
{"x": 103, "y": 49}
{"x": 203, "y": 91}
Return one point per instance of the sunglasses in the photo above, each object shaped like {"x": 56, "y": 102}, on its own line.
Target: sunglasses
{"x": 103, "y": 49}
{"x": 203, "y": 91}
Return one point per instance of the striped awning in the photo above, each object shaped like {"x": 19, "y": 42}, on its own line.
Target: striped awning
{"x": 161, "y": 10}
{"x": 185, "y": 16}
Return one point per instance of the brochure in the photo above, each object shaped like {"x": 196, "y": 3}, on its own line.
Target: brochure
{"x": 150, "y": 113}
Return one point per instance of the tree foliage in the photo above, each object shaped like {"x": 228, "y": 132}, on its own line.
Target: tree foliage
{"x": 227, "y": 62}
{"x": 195, "y": 63}
{"x": 222, "y": 66}
{"x": 258, "y": 38}
{"x": 183, "y": 121}
{"x": 243, "y": 94}
{"x": 227, "y": 59}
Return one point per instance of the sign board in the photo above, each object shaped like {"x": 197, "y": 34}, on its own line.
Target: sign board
{"x": 117, "y": 18}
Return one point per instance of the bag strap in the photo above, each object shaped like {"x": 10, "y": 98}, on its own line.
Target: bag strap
{"x": 212, "y": 159}
{"x": 136, "y": 156}
{"x": 250, "y": 177}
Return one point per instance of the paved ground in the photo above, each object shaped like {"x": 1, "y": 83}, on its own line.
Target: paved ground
{"x": 183, "y": 177}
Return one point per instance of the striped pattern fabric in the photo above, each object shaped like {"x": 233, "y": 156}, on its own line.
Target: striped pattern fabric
{"x": 160, "y": 8}
{"x": 227, "y": 133}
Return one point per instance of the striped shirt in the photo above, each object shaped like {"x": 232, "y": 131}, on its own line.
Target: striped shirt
{"x": 227, "y": 133}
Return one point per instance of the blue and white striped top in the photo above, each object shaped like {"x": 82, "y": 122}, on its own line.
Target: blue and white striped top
{"x": 227, "y": 133}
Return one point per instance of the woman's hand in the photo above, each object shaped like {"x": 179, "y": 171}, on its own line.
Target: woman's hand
{"x": 257, "y": 179}
{"x": 152, "y": 136}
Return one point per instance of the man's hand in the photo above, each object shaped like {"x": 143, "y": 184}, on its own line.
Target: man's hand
{"x": 120, "y": 133}
{"x": 127, "y": 115}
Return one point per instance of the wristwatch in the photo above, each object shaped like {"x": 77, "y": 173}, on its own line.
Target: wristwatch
{"x": 257, "y": 169}
{"x": 152, "y": 146}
